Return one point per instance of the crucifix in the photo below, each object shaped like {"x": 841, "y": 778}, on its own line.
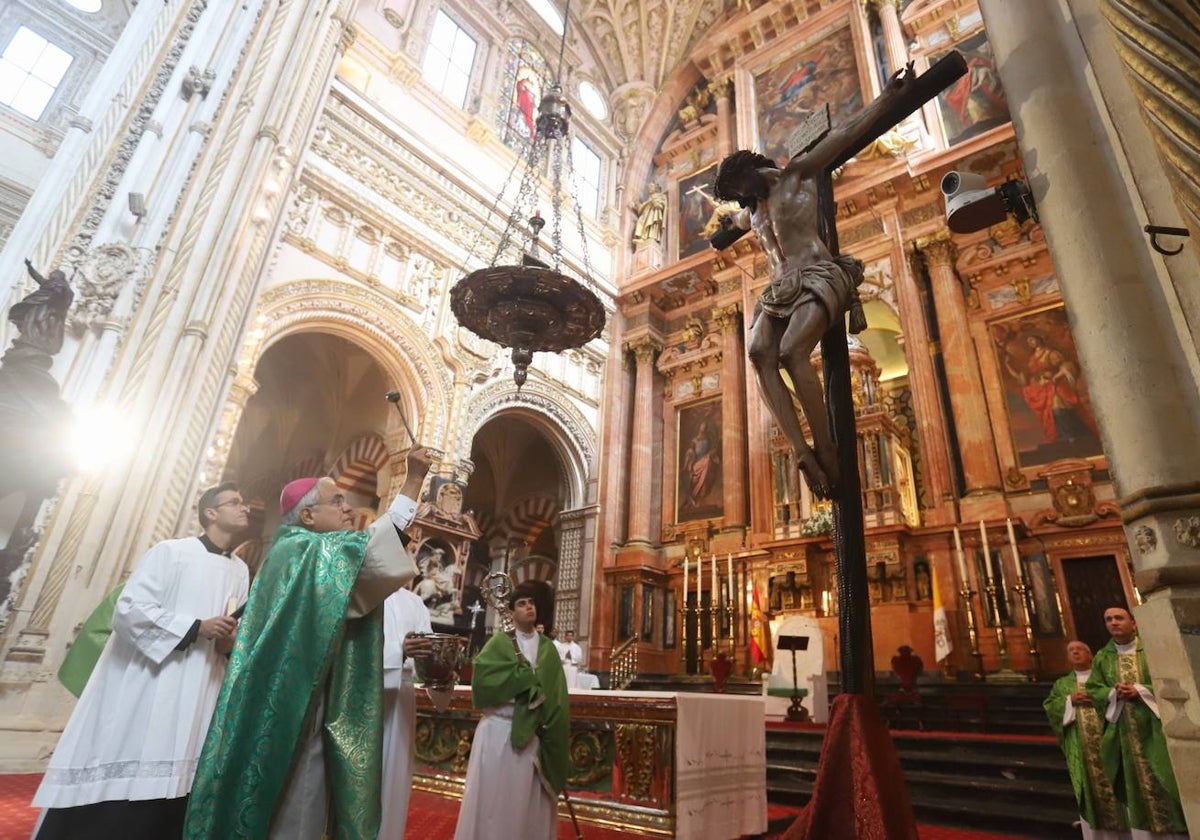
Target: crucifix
{"x": 811, "y": 289}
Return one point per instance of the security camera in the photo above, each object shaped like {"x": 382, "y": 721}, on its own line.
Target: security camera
{"x": 972, "y": 205}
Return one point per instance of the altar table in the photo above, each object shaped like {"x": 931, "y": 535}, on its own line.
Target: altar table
{"x": 671, "y": 764}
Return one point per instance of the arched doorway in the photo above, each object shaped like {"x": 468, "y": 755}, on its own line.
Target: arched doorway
{"x": 319, "y": 410}
{"x": 518, "y": 489}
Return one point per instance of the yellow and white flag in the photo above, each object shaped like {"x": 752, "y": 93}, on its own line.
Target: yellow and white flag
{"x": 941, "y": 627}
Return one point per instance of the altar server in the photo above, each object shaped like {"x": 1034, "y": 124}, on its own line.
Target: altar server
{"x": 519, "y": 758}
{"x": 126, "y": 759}
{"x": 404, "y": 616}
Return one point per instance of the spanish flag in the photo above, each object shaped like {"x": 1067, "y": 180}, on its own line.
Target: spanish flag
{"x": 941, "y": 626}
{"x": 758, "y": 630}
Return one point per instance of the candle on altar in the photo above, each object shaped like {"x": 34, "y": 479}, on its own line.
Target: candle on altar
{"x": 685, "y": 580}
{"x": 699, "y": 575}
{"x": 987, "y": 554}
{"x": 825, "y": 602}
{"x": 962, "y": 560}
{"x": 1016, "y": 554}
{"x": 729, "y": 572}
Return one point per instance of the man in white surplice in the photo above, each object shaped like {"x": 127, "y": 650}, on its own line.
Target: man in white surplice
{"x": 125, "y": 762}
{"x": 571, "y": 655}
{"x": 404, "y": 614}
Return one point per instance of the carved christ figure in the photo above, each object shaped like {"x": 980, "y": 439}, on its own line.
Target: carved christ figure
{"x": 809, "y": 288}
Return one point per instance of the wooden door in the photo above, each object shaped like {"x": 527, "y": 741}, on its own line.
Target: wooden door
{"x": 1093, "y": 585}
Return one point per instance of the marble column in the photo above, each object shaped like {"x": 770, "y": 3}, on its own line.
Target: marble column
{"x": 733, "y": 414}
{"x": 641, "y": 462}
{"x": 618, "y": 439}
{"x": 1136, "y": 353}
{"x": 936, "y": 472}
{"x": 968, "y": 403}
{"x": 893, "y": 35}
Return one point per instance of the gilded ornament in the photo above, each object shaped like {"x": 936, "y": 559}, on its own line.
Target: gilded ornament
{"x": 636, "y": 758}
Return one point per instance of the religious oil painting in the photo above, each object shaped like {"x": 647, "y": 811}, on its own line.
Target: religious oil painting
{"x": 696, "y": 207}
{"x": 524, "y": 74}
{"x": 700, "y": 490}
{"x": 825, "y": 71}
{"x": 438, "y": 582}
{"x": 976, "y": 102}
{"x": 1049, "y": 409}
{"x": 1047, "y": 621}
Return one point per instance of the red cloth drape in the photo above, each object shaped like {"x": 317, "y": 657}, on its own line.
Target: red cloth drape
{"x": 860, "y": 792}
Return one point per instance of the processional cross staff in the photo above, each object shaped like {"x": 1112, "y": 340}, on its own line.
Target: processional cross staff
{"x": 793, "y": 213}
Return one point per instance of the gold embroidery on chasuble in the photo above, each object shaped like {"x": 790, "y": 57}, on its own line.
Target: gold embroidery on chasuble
{"x": 1158, "y": 802}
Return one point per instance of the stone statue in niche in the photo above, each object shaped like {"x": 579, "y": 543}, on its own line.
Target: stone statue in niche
{"x": 651, "y": 216}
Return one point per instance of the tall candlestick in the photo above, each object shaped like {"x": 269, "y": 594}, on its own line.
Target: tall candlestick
{"x": 699, "y": 575}
{"x": 962, "y": 560}
{"x": 987, "y": 555}
{"x": 729, "y": 572}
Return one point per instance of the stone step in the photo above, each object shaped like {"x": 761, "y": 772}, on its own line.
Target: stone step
{"x": 1010, "y": 783}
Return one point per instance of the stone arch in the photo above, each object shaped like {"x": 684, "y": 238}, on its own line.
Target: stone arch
{"x": 377, "y": 324}
{"x": 568, "y": 432}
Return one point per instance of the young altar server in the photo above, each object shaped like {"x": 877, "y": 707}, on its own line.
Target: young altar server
{"x": 126, "y": 759}
{"x": 519, "y": 758}
{"x": 404, "y": 615}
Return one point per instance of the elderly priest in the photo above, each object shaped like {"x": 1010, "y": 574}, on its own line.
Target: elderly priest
{"x": 295, "y": 748}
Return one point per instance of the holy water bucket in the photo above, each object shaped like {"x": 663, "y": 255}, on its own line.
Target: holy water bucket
{"x": 438, "y": 670}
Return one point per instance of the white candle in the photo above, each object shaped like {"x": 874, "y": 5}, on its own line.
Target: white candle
{"x": 987, "y": 554}
{"x": 699, "y": 575}
{"x": 729, "y": 570}
{"x": 825, "y": 601}
{"x": 962, "y": 560}
{"x": 685, "y": 580}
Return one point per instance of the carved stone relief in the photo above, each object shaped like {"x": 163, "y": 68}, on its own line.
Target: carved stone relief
{"x": 102, "y": 274}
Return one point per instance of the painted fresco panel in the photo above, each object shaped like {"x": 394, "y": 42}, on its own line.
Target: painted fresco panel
{"x": 824, "y": 71}
{"x": 976, "y": 102}
{"x": 700, "y": 485}
{"x": 1049, "y": 409}
{"x": 696, "y": 207}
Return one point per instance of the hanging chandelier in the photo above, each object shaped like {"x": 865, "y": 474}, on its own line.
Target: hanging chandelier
{"x": 529, "y": 304}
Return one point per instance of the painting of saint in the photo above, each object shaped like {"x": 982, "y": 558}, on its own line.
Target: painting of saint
{"x": 824, "y": 72}
{"x": 700, "y": 493}
{"x": 696, "y": 207}
{"x": 1050, "y": 412}
{"x": 976, "y": 102}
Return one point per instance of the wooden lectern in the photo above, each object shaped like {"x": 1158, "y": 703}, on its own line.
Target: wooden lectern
{"x": 795, "y": 712}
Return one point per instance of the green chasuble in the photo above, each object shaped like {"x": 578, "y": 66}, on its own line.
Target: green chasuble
{"x": 498, "y": 676}
{"x": 1134, "y": 749}
{"x": 85, "y": 651}
{"x": 294, "y": 648}
{"x": 1080, "y": 742}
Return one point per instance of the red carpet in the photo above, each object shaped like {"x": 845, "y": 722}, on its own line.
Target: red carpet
{"x": 430, "y": 817}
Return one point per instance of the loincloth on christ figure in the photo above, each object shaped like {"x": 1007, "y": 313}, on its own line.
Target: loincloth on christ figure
{"x": 833, "y": 284}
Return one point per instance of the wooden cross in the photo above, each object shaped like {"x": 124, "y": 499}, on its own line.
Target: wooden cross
{"x": 856, "y": 659}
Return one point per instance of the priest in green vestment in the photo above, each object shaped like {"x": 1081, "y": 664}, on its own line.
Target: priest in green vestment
{"x": 519, "y": 755}
{"x": 295, "y": 746}
{"x": 1080, "y": 728}
{"x": 1134, "y": 749}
